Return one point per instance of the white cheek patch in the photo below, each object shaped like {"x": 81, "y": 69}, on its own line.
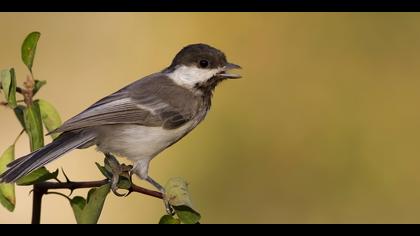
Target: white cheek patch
{"x": 188, "y": 76}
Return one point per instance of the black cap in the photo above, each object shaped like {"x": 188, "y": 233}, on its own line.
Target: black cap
{"x": 201, "y": 56}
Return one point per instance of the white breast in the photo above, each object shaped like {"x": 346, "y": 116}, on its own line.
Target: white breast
{"x": 137, "y": 142}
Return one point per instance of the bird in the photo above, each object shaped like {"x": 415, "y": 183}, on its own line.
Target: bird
{"x": 142, "y": 119}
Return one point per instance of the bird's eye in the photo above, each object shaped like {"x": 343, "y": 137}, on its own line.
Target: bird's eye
{"x": 204, "y": 63}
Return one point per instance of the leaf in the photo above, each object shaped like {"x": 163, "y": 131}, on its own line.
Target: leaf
{"x": 7, "y": 191}
{"x": 177, "y": 192}
{"x": 88, "y": 211}
{"x": 49, "y": 116}
{"x": 20, "y": 114}
{"x": 169, "y": 220}
{"x": 178, "y": 196}
{"x": 124, "y": 183}
{"x": 38, "y": 85}
{"x": 187, "y": 215}
{"x": 37, "y": 176}
{"x": 78, "y": 204}
{"x": 8, "y": 82}
{"x": 104, "y": 171}
{"x": 29, "y": 49}
{"x": 33, "y": 126}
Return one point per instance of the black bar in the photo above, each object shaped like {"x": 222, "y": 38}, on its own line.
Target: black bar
{"x": 210, "y": 5}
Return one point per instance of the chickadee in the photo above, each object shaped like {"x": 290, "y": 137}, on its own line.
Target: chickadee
{"x": 142, "y": 119}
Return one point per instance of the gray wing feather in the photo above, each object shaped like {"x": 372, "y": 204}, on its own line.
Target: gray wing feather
{"x": 152, "y": 101}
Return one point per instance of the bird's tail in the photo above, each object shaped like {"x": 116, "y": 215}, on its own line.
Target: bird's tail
{"x": 64, "y": 143}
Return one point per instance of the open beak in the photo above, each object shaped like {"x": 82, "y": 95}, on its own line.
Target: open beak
{"x": 224, "y": 73}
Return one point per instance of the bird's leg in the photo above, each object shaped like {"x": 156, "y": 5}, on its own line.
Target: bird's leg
{"x": 116, "y": 171}
{"x": 155, "y": 184}
{"x": 168, "y": 207}
{"x": 141, "y": 169}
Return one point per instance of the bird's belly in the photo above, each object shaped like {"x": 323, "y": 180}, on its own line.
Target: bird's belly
{"x": 137, "y": 142}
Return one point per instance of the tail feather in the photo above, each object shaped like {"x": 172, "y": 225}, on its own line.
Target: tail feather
{"x": 63, "y": 144}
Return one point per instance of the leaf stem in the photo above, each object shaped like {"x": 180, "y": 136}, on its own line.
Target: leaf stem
{"x": 19, "y": 135}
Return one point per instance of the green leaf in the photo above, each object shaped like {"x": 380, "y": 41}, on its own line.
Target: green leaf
{"x": 33, "y": 126}
{"x": 104, "y": 171}
{"x": 8, "y": 82}
{"x": 37, "y": 176}
{"x": 177, "y": 192}
{"x": 187, "y": 215}
{"x": 169, "y": 220}
{"x": 49, "y": 116}
{"x": 7, "y": 191}
{"x": 29, "y": 49}
{"x": 78, "y": 204}
{"x": 88, "y": 211}
{"x": 20, "y": 114}
{"x": 38, "y": 85}
{"x": 124, "y": 183}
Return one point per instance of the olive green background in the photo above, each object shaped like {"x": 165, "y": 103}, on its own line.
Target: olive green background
{"x": 323, "y": 128}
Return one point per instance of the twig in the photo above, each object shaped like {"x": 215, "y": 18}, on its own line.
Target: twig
{"x": 42, "y": 188}
{"x": 36, "y": 205}
{"x": 18, "y": 89}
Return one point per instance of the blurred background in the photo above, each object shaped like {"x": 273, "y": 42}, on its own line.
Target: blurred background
{"x": 323, "y": 128}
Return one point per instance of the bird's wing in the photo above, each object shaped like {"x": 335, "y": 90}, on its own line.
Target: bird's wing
{"x": 145, "y": 102}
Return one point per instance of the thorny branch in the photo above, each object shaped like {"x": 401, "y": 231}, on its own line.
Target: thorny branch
{"x": 43, "y": 188}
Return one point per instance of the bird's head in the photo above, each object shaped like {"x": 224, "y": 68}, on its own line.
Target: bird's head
{"x": 200, "y": 66}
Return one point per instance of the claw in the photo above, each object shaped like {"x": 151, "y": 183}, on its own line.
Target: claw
{"x": 161, "y": 189}
{"x": 114, "y": 185}
{"x": 116, "y": 169}
{"x": 169, "y": 209}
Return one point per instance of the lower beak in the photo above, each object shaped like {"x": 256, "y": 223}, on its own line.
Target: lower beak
{"x": 227, "y": 67}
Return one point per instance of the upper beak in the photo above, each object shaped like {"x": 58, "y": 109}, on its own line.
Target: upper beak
{"x": 227, "y": 67}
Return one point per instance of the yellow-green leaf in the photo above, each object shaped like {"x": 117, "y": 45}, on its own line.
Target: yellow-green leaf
{"x": 29, "y": 49}
{"x": 88, "y": 211}
{"x": 178, "y": 196}
{"x": 49, "y": 116}
{"x": 8, "y": 83}
{"x": 33, "y": 126}
{"x": 177, "y": 192}
{"x": 7, "y": 191}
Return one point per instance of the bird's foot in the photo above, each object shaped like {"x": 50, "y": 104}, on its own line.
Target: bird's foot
{"x": 117, "y": 170}
{"x": 161, "y": 189}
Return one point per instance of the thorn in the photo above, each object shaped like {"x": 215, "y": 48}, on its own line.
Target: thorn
{"x": 65, "y": 176}
{"x": 67, "y": 181}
